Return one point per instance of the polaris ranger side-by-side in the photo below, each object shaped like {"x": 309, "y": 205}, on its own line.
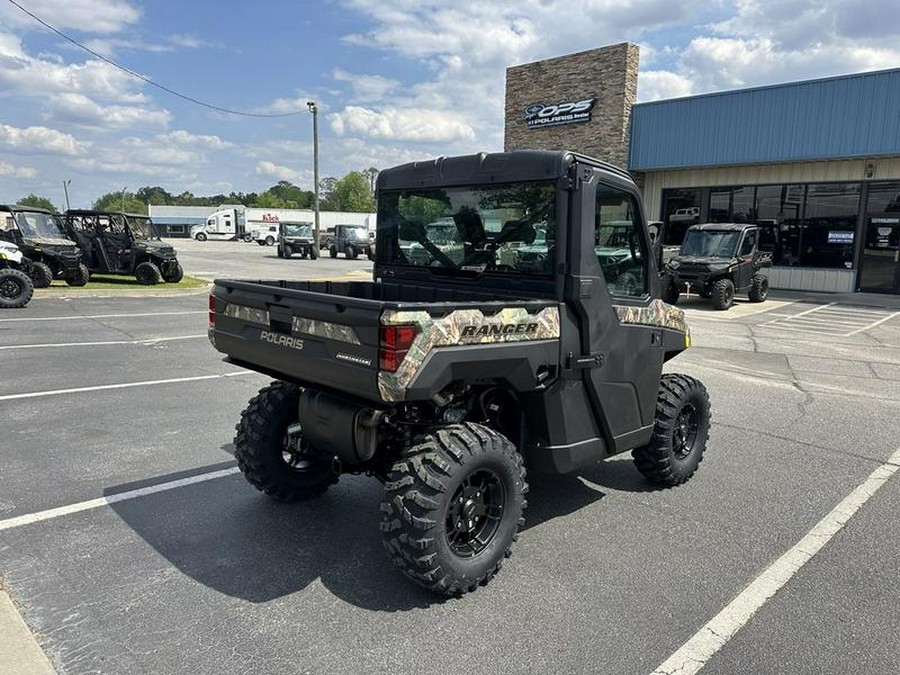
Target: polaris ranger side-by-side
{"x": 297, "y": 238}
{"x": 16, "y": 287}
{"x": 123, "y": 243}
{"x": 49, "y": 254}
{"x": 717, "y": 260}
{"x": 469, "y": 357}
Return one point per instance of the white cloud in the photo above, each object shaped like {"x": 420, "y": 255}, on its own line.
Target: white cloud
{"x": 654, "y": 85}
{"x": 418, "y": 125}
{"x": 17, "y": 172}
{"x": 266, "y": 168}
{"x": 84, "y": 111}
{"x": 109, "y": 46}
{"x": 91, "y": 16}
{"x": 181, "y": 137}
{"x": 187, "y": 41}
{"x": 39, "y": 140}
{"x": 366, "y": 87}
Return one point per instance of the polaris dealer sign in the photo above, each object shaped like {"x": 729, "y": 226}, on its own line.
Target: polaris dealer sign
{"x": 551, "y": 115}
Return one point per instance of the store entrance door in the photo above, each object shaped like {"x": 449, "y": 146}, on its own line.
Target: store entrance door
{"x": 880, "y": 271}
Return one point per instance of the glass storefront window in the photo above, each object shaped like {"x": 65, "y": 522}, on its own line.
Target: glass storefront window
{"x": 681, "y": 209}
{"x": 829, "y": 225}
{"x": 782, "y": 205}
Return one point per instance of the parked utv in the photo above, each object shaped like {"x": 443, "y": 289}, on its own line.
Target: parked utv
{"x": 717, "y": 260}
{"x": 16, "y": 287}
{"x": 39, "y": 237}
{"x": 123, "y": 243}
{"x": 297, "y": 238}
{"x": 351, "y": 240}
{"x": 450, "y": 373}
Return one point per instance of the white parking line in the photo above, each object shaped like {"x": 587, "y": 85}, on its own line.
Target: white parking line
{"x": 808, "y": 311}
{"x": 125, "y": 385}
{"x": 697, "y": 651}
{"x": 90, "y": 504}
{"x": 99, "y": 316}
{"x": 147, "y": 341}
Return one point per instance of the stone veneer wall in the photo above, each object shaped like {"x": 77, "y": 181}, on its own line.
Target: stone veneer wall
{"x": 609, "y": 74}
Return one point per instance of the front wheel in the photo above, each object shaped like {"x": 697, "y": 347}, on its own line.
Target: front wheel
{"x": 200, "y": 236}
{"x": 16, "y": 288}
{"x": 314, "y": 252}
{"x": 41, "y": 275}
{"x": 453, "y": 506}
{"x": 332, "y": 252}
{"x": 679, "y": 434}
{"x": 352, "y": 252}
{"x": 274, "y": 461}
{"x": 147, "y": 274}
{"x": 759, "y": 288}
{"x": 174, "y": 273}
{"x": 722, "y": 294}
{"x": 81, "y": 276}
{"x": 670, "y": 291}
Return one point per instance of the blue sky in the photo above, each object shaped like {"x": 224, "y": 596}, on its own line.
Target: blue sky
{"x": 395, "y": 80}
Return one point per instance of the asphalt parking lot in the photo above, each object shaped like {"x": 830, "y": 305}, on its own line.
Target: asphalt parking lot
{"x": 185, "y": 568}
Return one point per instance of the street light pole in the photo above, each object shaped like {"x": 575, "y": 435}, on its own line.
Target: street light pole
{"x": 66, "y": 190}
{"x": 313, "y": 108}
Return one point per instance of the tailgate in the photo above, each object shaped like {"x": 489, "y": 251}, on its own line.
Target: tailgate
{"x": 330, "y": 341}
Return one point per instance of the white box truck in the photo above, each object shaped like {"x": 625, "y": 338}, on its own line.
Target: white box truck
{"x": 261, "y": 225}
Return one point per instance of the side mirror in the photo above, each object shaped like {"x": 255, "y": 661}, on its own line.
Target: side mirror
{"x": 657, "y": 231}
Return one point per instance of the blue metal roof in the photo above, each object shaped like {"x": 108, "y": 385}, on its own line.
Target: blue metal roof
{"x": 848, "y": 116}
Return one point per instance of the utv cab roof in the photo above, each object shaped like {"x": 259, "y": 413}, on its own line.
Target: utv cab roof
{"x": 20, "y": 207}
{"x": 493, "y": 167}
{"x": 724, "y": 227}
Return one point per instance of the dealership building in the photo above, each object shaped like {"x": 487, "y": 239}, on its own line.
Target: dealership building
{"x": 820, "y": 159}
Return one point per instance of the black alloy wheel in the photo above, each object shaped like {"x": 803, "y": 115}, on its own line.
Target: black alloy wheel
{"x": 684, "y": 434}
{"x": 474, "y": 513}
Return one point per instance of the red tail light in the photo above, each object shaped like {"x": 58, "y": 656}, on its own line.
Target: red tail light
{"x": 394, "y": 345}
{"x": 212, "y": 311}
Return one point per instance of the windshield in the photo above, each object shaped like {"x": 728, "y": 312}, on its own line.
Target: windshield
{"x": 357, "y": 233}
{"x": 470, "y": 229}
{"x": 37, "y": 224}
{"x": 140, "y": 227}
{"x": 297, "y": 230}
{"x": 710, "y": 243}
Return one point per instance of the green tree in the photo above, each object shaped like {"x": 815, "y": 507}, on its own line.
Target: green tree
{"x": 326, "y": 189}
{"x": 154, "y": 195}
{"x": 352, "y": 193}
{"x": 38, "y": 202}
{"x": 114, "y": 201}
{"x": 371, "y": 175}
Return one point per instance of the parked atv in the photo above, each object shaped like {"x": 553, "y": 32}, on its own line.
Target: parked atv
{"x": 123, "y": 243}
{"x": 716, "y": 261}
{"x": 39, "y": 237}
{"x": 16, "y": 287}
{"x": 460, "y": 364}
{"x": 351, "y": 240}
{"x": 296, "y": 238}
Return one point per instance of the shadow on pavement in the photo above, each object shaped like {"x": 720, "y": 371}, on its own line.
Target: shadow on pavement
{"x": 231, "y": 538}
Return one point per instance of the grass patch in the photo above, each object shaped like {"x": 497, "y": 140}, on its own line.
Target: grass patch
{"x": 126, "y": 283}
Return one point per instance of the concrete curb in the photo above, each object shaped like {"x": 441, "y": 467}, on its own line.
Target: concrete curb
{"x": 20, "y": 652}
{"x": 66, "y": 294}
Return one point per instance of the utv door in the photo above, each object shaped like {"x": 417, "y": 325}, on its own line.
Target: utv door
{"x": 747, "y": 254}
{"x": 621, "y": 360}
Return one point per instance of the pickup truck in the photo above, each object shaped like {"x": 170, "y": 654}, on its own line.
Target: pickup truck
{"x": 461, "y": 365}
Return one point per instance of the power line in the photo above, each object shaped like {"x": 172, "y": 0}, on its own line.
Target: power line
{"x": 148, "y": 80}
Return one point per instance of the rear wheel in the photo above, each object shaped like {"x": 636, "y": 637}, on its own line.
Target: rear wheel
{"x": 679, "y": 434}
{"x": 759, "y": 288}
{"x": 453, "y": 506}
{"x": 273, "y": 455}
{"x": 81, "y": 276}
{"x": 270, "y": 240}
{"x": 288, "y": 251}
{"x": 16, "y": 288}
{"x": 41, "y": 275}
{"x": 314, "y": 252}
{"x": 174, "y": 273}
{"x": 147, "y": 274}
{"x": 722, "y": 293}
{"x": 332, "y": 252}
{"x": 247, "y": 238}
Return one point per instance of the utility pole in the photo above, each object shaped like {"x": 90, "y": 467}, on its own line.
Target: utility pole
{"x": 123, "y": 200}
{"x": 313, "y": 108}
{"x": 66, "y": 191}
